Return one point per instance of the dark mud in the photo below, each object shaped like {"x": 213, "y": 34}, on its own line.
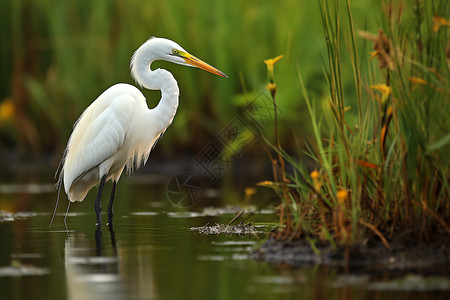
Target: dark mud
{"x": 403, "y": 255}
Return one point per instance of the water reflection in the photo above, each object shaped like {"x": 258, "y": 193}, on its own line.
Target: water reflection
{"x": 152, "y": 254}
{"x": 93, "y": 267}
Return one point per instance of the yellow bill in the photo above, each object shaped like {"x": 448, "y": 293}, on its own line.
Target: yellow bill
{"x": 194, "y": 61}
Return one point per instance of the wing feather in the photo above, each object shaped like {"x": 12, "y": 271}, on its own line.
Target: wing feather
{"x": 98, "y": 134}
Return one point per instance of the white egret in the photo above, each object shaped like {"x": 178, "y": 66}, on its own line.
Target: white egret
{"x": 118, "y": 129}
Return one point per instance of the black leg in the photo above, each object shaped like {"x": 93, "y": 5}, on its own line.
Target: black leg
{"x": 98, "y": 241}
{"x": 98, "y": 202}
{"x": 113, "y": 238}
{"x": 111, "y": 203}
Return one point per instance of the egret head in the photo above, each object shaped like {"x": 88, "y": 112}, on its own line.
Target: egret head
{"x": 164, "y": 49}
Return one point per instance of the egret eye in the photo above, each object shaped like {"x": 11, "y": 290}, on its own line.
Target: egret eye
{"x": 175, "y": 52}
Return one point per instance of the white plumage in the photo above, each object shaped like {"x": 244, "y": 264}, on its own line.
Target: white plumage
{"x": 118, "y": 129}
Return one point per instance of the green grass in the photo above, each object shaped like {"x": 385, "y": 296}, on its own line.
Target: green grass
{"x": 57, "y": 57}
{"x": 380, "y": 154}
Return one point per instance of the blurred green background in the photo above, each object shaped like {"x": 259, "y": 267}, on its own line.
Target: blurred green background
{"x": 56, "y": 57}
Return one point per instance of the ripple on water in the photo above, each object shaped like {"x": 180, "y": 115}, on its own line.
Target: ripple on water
{"x": 28, "y": 188}
{"x": 22, "y": 270}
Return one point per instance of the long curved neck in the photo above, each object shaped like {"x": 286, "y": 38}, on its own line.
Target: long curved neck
{"x": 158, "y": 79}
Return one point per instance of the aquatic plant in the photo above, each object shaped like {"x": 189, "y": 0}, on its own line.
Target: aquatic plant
{"x": 381, "y": 164}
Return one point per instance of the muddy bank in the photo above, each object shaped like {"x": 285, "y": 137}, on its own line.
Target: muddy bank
{"x": 406, "y": 255}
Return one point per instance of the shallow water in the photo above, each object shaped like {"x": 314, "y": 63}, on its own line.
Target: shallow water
{"x": 153, "y": 254}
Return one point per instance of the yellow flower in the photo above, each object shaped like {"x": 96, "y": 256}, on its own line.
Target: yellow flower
{"x": 315, "y": 176}
{"x": 417, "y": 80}
{"x": 6, "y": 110}
{"x": 383, "y": 89}
{"x": 342, "y": 196}
{"x": 439, "y": 22}
{"x": 267, "y": 183}
{"x": 374, "y": 54}
{"x": 270, "y": 62}
{"x": 249, "y": 192}
{"x": 272, "y": 88}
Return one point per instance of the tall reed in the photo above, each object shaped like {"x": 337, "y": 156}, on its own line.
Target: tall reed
{"x": 381, "y": 164}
